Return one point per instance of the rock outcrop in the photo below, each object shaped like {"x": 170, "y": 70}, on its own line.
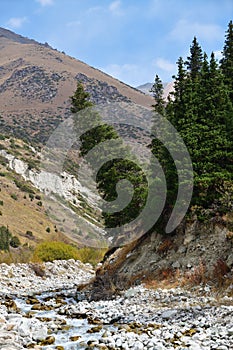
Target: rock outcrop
{"x": 153, "y": 255}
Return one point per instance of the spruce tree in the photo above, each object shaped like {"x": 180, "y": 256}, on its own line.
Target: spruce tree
{"x": 226, "y": 62}
{"x": 157, "y": 91}
{"x": 194, "y": 61}
{"x": 201, "y": 111}
{"x": 80, "y": 100}
{"x": 86, "y": 117}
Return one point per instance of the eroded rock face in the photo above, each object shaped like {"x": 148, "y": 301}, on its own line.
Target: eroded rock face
{"x": 193, "y": 243}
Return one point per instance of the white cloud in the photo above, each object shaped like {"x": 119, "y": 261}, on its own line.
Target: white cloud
{"x": 164, "y": 65}
{"x": 45, "y": 2}
{"x": 186, "y": 30}
{"x": 16, "y": 22}
{"x": 115, "y": 8}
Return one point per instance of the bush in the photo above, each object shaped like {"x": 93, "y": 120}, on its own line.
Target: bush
{"x": 91, "y": 255}
{"x": 23, "y": 186}
{"x": 31, "y": 196}
{"x": 5, "y": 237}
{"x": 15, "y": 242}
{"x": 29, "y": 233}
{"x": 54, "y": 250}
{"x": 14, "y": 196}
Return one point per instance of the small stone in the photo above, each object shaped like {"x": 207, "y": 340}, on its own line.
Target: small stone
{"x": 75, "y": 337}
{"x": 48, "y": 341}
{"x": 176, "y": 265}
{"x": 138, "y": 345}
{"x": 95, "y": 329}
{"x": 166, "y": 315}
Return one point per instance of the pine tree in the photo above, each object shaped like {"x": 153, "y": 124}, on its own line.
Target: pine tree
{"x": 194, "y": 61}
{"x": 201, "y": 111}
{"x": 80, "y": 100}
{"x": 176, "y": 106}
{"x": 226, "y": 62}
{"x": 157, "y": 91}
{"x": 88, "y": 119}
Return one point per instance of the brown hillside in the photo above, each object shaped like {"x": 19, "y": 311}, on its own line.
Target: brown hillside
{"x": 36, "y": 82}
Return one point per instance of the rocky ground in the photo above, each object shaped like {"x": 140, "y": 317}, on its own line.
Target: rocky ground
{"x": 40, "y": 309}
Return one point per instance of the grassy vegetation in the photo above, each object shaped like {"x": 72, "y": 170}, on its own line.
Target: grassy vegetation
{"x": 91, "y": 255}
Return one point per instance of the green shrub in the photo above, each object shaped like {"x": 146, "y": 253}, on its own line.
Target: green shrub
{"x": 14, "y": 196}
{"x": 91, "y": 255}
{"x": 3, "y": 161}
{"x": 1, "y": 202}
{"x": 31, "y": 196}
{"x": 54, "y": 250}
{"x": 29, "y": 234}
{"x": 5, "y": 237}
{"x": 15, "y": 242}
{"x": 23, "y": 186}
{"x": 48, "y": 229}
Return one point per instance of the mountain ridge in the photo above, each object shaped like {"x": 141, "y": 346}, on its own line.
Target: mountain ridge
{"x": 37, "y": 81}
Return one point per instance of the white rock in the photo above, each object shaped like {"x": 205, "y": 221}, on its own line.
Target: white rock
{"x": 166, "y": 315}
{"x": 40, "y": 334}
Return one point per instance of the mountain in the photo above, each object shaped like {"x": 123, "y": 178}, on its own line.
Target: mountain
{"x": 36, "y": 82}
{"x": 145, "y": 88}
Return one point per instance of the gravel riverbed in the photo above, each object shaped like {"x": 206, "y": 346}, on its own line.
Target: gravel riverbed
{"x": 43, "y": 313}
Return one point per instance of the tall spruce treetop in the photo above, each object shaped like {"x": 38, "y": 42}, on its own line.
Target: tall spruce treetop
{"x": 179, "y": 83}
{"x": 80, "y": 100}
{"x": 176, "y": 98}
{"x": 194, "y": 61}
{"x": 157, "y": 91}
{"x": 226, "y": 62}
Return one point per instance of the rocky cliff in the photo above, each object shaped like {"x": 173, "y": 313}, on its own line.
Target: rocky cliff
{"x": 195, "y": 245}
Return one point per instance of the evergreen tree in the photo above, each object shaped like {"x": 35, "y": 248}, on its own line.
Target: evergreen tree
{"x": 176, "y": 106}
{"x": 157, "y": 90}
{"x": 201, "y": 111}
{"x": 194, "y": 61}
{"x": 88, "y": 119}
{"x": 226, "y": 62}
{"x": 80, "y": 100}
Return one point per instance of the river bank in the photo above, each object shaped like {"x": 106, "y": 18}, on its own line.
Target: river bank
{"x": 41, "y": 312}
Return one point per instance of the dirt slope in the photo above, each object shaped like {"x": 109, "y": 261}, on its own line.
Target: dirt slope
{"x": 36, "y": 82}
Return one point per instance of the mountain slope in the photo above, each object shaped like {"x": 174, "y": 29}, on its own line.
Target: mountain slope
{"x": 22, "y": 207}
{"x": 168, "y": 87}
{"x": 36, "y": 82}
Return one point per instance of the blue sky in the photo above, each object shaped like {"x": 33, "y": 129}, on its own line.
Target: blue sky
{"x": 131, "y": 40}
